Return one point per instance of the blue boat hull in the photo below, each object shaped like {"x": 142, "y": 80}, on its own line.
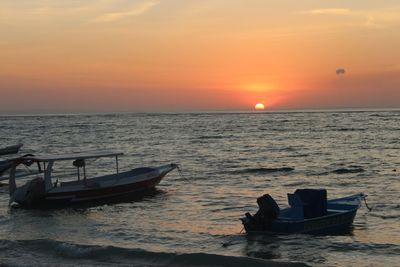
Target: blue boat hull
{"x": 323, "y": 225}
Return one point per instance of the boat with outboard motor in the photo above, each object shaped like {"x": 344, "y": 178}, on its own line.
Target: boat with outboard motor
{"x": 42, "y": 191}
{"x": 10, "y": 149}
{"x": 309, "y": 212}
{"x": 4, "y": 166}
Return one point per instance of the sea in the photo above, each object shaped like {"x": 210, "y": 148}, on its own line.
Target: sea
{"x": 227, "y": 160}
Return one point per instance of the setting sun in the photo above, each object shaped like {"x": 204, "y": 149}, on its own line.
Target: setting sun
{"x": 259, "y": 106}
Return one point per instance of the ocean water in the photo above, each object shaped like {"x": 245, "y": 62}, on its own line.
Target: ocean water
{"x": 227, "y": 161}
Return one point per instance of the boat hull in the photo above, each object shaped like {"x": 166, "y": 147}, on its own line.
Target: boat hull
{"x": 123, "y": 192}
{"x": 335, "y": 223}
{"x": 10, "y": 149}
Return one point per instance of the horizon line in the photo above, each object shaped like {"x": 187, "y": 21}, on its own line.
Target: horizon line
{"x": 222, "y": 111}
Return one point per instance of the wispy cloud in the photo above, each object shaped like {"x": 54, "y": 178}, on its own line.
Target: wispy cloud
{"x": 374, "y": 18}
{"x": 330, "y": 11}
{"x": 134, "y": 11}
{"x": 90, "y": 10}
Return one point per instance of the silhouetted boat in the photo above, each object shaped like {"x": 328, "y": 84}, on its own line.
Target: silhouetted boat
{"x": 4, "y": 166}
{"x": 309, "y": 213}
{"x": 42, "y": 191}
{"x": 10, "y": 149}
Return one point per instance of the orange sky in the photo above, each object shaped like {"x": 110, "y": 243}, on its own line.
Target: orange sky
{"x": 183, "y": 55}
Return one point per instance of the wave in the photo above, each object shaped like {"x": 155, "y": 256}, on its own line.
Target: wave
{"x": 48, "y": 252}
{"x": 376, "y": 248}
{"x": 298, "y": 156}
{"x": 385, "y": 217}
{"x": 348, "y": 170}
{"x": 351, "y": 129}
{"x": 214, "y": 136}
{"x": 343, "y": 170}
{"x": 263, "y": 170}
{"x": 295, "y": 184}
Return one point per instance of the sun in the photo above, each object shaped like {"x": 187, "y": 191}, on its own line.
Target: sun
{"x": 259, "y": 106}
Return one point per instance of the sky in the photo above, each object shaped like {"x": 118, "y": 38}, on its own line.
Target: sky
{"x": 186, "y": 55}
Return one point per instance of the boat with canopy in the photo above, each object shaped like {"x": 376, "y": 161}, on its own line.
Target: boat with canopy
{"x": 46, "y": 190}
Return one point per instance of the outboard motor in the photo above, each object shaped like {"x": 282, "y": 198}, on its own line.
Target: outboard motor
{"x": 30, "y": 194}
{"x": 269, "y": 210}
{"x": 261, "y": 221}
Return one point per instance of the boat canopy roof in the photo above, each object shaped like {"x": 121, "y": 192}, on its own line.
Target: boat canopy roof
{"x": 74, "y": 156}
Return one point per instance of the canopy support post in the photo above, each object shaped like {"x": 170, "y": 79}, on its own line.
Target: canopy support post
{"x": 116, "y": 163}
{"x": 11, "y": 183}
{"x": 47, "y": 175}
{"x": 84, "y": 173}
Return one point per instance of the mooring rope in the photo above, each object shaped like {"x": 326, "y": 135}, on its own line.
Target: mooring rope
{"x": 229, "y": 243}
{"x": 181, "y": 173}
{"x": 366, "y": 204}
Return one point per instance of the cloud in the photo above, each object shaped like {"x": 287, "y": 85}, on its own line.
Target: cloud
{"x": 135, "y": 11}
{"x": 340, "y": 71}
{"x": 370, "y": 18}
{"x": 73, "y": 11}
{"x": 330, "y": 11}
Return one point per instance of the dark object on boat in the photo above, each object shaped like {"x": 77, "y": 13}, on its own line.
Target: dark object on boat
{"x": 313, "y": 201}
{"x": 268, "y": 211}
{"x": 268, "y": 207}
{"x": 43, "y": 192}
{"x": 32, "y": 193}
{"x": 10, "y": 149}
{"x": 309, "y": 212}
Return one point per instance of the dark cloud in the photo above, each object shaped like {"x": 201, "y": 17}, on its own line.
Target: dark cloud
{"x": 340, "y": 71}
